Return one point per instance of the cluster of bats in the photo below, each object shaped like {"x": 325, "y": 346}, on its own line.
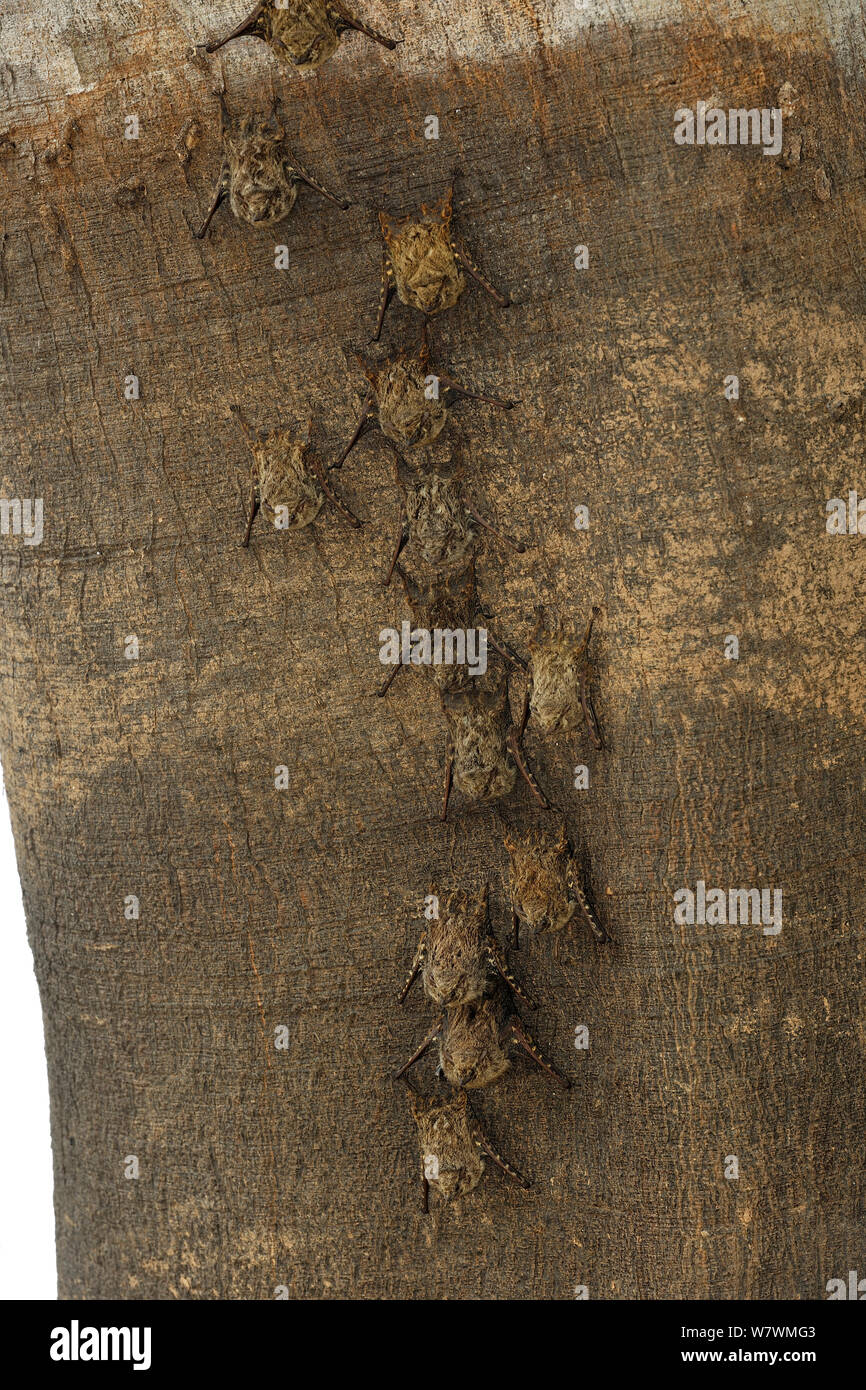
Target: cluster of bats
{"x": 466, "y": 976}
{"x": 462, "y": 967}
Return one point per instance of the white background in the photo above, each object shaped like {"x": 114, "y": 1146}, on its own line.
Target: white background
{"x": 27, "y": 1268}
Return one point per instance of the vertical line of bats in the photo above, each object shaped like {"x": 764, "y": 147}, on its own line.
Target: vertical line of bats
{"x": 462, "y": 967}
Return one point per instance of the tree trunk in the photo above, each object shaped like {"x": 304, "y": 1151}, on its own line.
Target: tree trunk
{"x": 260, "y": 1166}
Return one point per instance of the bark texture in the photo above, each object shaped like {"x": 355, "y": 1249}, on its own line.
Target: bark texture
{"x": 155, "y": 777}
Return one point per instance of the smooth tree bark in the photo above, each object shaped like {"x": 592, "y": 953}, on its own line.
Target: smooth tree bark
{"x": 155, "y": 675}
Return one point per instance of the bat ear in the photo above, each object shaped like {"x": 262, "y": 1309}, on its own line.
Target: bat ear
{"x": 415, "y": 1097}
{"x": 584, "y": 643}
{"x": 386, "y": 226}
{"x": 226, "y": 122}
{"x": 493, "y": 690}
{"x": 446, "y": 207}
{"x": 538, "y": 629}
{"x": 462, "y": 584}
{"x": 275, "y": 115}
{"x": 405, "y": 473}
{"x": 357, "y": 359}
{"x": 413, "y": 591}
{"x": 244, "y": 424}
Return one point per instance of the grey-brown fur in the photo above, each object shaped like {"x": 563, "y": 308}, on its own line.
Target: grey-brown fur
{"x": 452, "y": 954}
{"x": 540, "y": 879}
{"x": 438, "y": 526}
{"x": 259, "y": 174}
{"x": 441, "y": 533}
{"x": 471, "y": 1051}
{"x": 282, "y": 479}
{"x": 478, "y": 720}
{"x": 484, "y": 752}
{"x": 425, "y": 263}
{"x": 473, "y": 1042}
{"x": 410, "y": 403}
{"x": 302, "y": 34}
{"x": 559, "y": 700}
{"x": 446, "y": 601}
{"x": 427, "y": 274}
{"x": 445, "y": 598}
{"x": 409, "y": 412}
{"x": 288, "y": 482}
{"x": 545, "y": 885}
{"x": 451, "y": 1159}
{"x": 453, "y": 1146}
{"x": 458, "y": 957}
